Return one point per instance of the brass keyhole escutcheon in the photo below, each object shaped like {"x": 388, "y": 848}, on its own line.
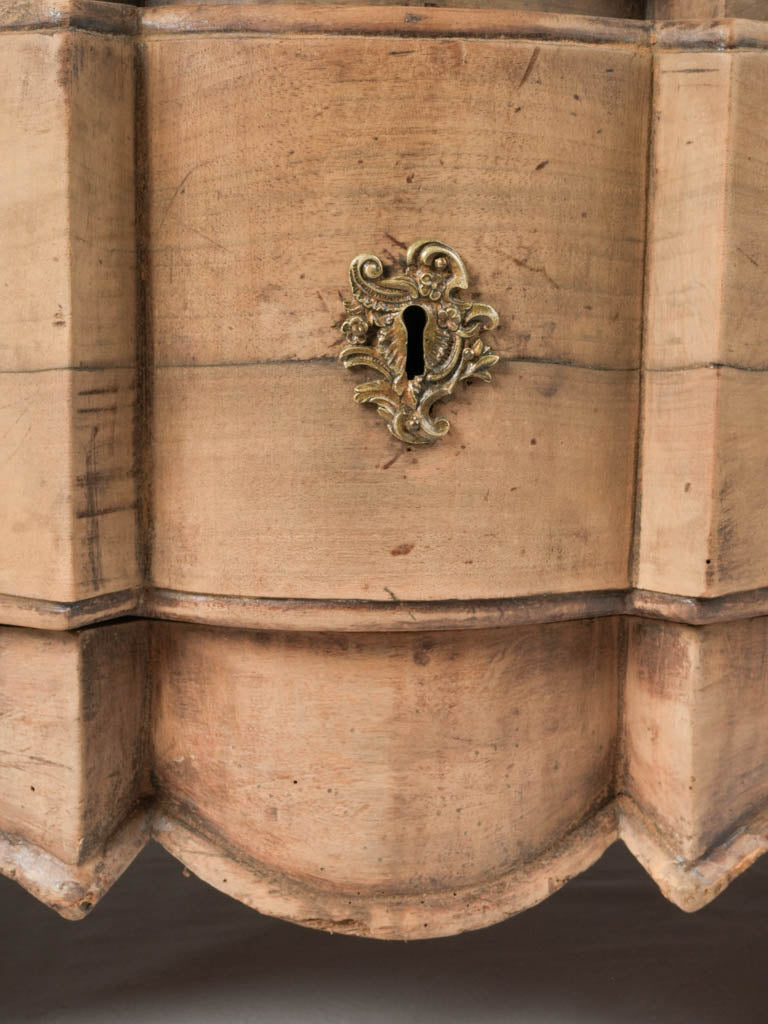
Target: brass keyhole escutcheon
{"x": 419, "y": 337}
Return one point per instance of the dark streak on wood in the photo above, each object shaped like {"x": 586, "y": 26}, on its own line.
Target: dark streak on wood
{"x": 106, "y": 511}
{"x": 402, "y": 549}
{"x": 143, "y": 407}
{"x": 529, "y": 67}
{"x": 392, "y": 461}
{"x": 746, "y": 255}
{"x": 91, "y": 487}
{"x": 99, "y": 391}
{"x": 396, "y": 241}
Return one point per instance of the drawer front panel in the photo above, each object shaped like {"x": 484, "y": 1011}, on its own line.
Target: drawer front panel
{"x": 272, "y": 163}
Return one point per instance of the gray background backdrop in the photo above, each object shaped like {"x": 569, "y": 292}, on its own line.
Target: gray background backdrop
{"x": 607, "y": 949}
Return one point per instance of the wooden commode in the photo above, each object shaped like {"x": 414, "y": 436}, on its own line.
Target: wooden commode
{"x": 384, "y": 447}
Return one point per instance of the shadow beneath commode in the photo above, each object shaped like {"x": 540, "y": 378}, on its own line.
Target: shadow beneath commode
{"x": 606, "y": 949}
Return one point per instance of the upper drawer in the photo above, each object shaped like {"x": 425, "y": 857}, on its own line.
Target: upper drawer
{"x": 184, "y": 190}
{"x": 272, "y": 162}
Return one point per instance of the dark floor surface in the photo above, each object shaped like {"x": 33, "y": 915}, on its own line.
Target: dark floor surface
{"x": 607, "y": 949}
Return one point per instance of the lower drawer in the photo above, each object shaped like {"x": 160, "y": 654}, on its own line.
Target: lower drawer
{"x": 397, "y": 785}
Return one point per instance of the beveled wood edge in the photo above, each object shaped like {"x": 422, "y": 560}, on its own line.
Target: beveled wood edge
{"x": 329, "y": 19}
{"x": 73, "y": 890}
{"x": 356, "y": 616}
{"x": 384, "y": 915}
{"x": 102, "y": 16}
{"x": 105, "y": 16}
{"x": 315, "y": 615}
{"x": 285, "y": 614}
{"x": 691, "y": 886}
{"x": 61, "y": 615}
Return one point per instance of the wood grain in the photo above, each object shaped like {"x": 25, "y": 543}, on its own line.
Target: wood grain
{"x": 707, "y": 250}
{"x": 691, "y": 885}
{"x": 674, "y": 544}
{"x": 252, "y": 229}
{"x": 40, "y": 759}
{"x": 102, "y": 16}
{"x": 688, "y": 209}
{"x": 740, "y": 531}
{"x": 73, "y": 890}
{"x": 703, "y": 9}
{"x": 600, "y": 21}
{"x": 448, "y": 756}
{"x": 402, "y": 916}
{"x": 701, "y": 521}
{"x": 389, "y": 20}
{"x": 416, "y": 742}
{"x": 757, "y": 9}
{"x": 595, "y": 8}
{"x": 695, "y": 713}
{"x": 687, "y": 9}
{"x": 84, "y": 530}
{"x": 306, "y": 614}
{"x": 68, "y": 318}
{"x": 72, "y": 756}
{"x": 271, "y": 750}
{"x": 532, "y": 494}
{"x": 34, "y": 256}
{"x": 476, "y": 769}
{"x": 745, "y": 249}
{"x": 234, "y": 266}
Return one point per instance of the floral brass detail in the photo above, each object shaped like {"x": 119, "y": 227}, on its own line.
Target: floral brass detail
{"x": 376, "y": 335}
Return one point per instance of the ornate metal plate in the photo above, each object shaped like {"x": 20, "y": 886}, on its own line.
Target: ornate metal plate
{"x": 417, "y": 335}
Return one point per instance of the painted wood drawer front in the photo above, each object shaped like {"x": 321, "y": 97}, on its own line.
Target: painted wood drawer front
{"x": 391, "y": 689}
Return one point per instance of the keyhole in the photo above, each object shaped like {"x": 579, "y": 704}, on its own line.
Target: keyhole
{"x": 415, "y": 320}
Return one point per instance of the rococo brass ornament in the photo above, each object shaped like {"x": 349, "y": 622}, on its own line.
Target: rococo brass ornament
{"x": 413, "y": 331}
